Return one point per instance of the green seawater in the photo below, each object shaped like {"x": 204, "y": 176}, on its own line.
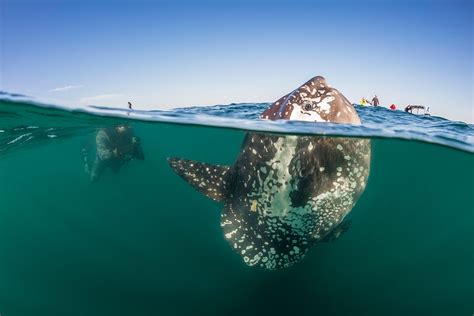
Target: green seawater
{"x": 143, "y": 242}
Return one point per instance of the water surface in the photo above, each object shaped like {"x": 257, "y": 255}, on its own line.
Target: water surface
{"x": 143, "y": 242}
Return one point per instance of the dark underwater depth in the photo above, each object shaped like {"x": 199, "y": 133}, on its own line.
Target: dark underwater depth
{"x": 144, "y": 242}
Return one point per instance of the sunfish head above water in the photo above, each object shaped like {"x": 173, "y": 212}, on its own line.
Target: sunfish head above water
{"x": 285, "y": 193}
{"x": 314, "y": 101}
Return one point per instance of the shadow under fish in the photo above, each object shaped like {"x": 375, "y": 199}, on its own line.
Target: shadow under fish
{"x": 285, "y": 193}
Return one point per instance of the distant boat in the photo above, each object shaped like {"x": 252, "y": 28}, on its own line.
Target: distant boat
{"x": 425, "y": 109}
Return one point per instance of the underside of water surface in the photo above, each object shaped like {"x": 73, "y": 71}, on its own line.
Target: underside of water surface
{"x": 144, "y": 242}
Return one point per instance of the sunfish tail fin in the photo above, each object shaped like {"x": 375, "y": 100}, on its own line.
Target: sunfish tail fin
{"x": 210, "y": 180}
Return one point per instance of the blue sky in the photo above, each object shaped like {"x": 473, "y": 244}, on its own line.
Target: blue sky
{"x": 164, "y": 54}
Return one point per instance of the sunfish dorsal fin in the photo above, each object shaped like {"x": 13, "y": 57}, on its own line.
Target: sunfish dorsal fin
{"x": 210, "y": 180}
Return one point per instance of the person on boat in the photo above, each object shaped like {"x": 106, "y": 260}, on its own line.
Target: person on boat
{"x": 393, "y": 107}
{"x": 408, "y": 109}
{"x": 375, "y": 101}
{"x": 115, "y": 146}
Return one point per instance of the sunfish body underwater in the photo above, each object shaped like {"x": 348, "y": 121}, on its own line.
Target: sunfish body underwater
{"x": 285, "y": 193}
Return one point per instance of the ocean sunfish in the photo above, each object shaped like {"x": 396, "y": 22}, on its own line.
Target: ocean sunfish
{"x": 285, "y": 193}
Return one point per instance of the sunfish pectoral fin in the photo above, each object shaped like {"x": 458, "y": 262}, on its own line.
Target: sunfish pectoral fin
{"x": 337, "y": 231}
{"x": 210, "y": 180}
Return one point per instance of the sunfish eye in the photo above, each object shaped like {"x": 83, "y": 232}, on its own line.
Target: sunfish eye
{"x": 308, "y": 106}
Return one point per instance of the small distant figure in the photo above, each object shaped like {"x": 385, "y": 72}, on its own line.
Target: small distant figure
{"x": 130, "y": 105}
{"x": 427, "y": 111}
{"x": 364, "y": 101}
{"x": 408, "y": 109}
{"x": 393, "y": 107}
{"x": 115, "y": 146}
{"x": 375, "y": 101}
